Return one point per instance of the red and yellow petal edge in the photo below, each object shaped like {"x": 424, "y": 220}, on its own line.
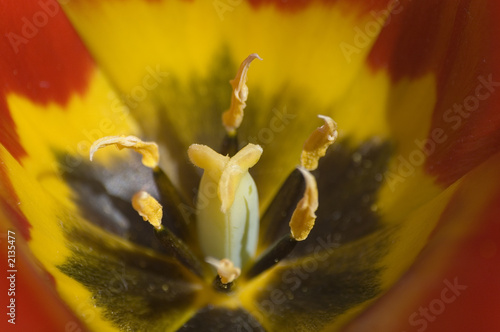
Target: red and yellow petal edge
{"x": 53, "y": 100}
{"x": 455, "y": 278}
{"x": 462, "y": 136}
{"x": 464, "y": 122}
{"x": 35, "y": 293}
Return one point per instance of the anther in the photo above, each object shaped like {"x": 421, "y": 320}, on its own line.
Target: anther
{"x": 231, "y": 119}
{"x": 150, "y": 210}
{"x": 225, "y": 269}
{"x": 148, "y": 150}
{"x": 318, "y": 142}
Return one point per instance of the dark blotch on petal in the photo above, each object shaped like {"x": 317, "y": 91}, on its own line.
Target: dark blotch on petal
{"x": 103, "y": 196}
{"x": 137, "y": 292}
{"x": 274, "y": 222}
{"x": 308, "y": 293}
{"x": 338, "y": 266}
{"x": 222, "y": 319}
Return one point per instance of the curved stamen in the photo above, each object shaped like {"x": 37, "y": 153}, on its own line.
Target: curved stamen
{"x": 318, "y": 142}
{"x": 301, "y": 223}
{"x": 231, "y": 119}
{"x": 148, "y": 150}
{"x": 304, "y": 216}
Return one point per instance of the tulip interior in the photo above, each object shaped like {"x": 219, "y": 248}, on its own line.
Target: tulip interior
{"x": 227, "y": 205}
{"x": 415, "y": 168}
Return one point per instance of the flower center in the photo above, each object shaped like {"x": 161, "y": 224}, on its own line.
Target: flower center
{"x": 227, "y": 206}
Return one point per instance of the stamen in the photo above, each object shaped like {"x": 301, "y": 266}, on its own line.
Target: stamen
{"x": 225, "y": 269}
{"x": 273, "y": 255}
{"x": 318, "y": 142}
{"x": 232, "y": 118}
{"x": 304, "y": 216}
{"x": 148, "y": 150}
{"x": 301, "y": 221}
{"x": 148, "y": 208}
{"x": 176, "y": 208}
{"x": 274, "y": 222}
{"x": 178, "y": 249}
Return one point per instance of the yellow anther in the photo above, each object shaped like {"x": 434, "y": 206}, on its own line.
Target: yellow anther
{"x": 304, "y": 216}
{"x": 318, "y": 142}
{"x": 148, "y": 150}
{"x": 225, "y": 269}
{"x": 226, "y": 172}
{"x": 148, "y": 208}
{"x": 231, "y": 119}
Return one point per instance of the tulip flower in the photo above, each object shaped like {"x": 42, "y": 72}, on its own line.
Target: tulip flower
{"x": 394, "y": 227}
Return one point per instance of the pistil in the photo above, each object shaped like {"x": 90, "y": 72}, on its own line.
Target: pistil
{"x": 227, "y": 204}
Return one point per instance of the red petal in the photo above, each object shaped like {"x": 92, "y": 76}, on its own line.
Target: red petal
{"x": 456, "y": 40}
{"x": 37, "y": 304}
{"x": 296, "y": 5}
{"x": 9, "y": 204}
{"x": 453, "y": 285}
{"x": 41, "y": 57}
